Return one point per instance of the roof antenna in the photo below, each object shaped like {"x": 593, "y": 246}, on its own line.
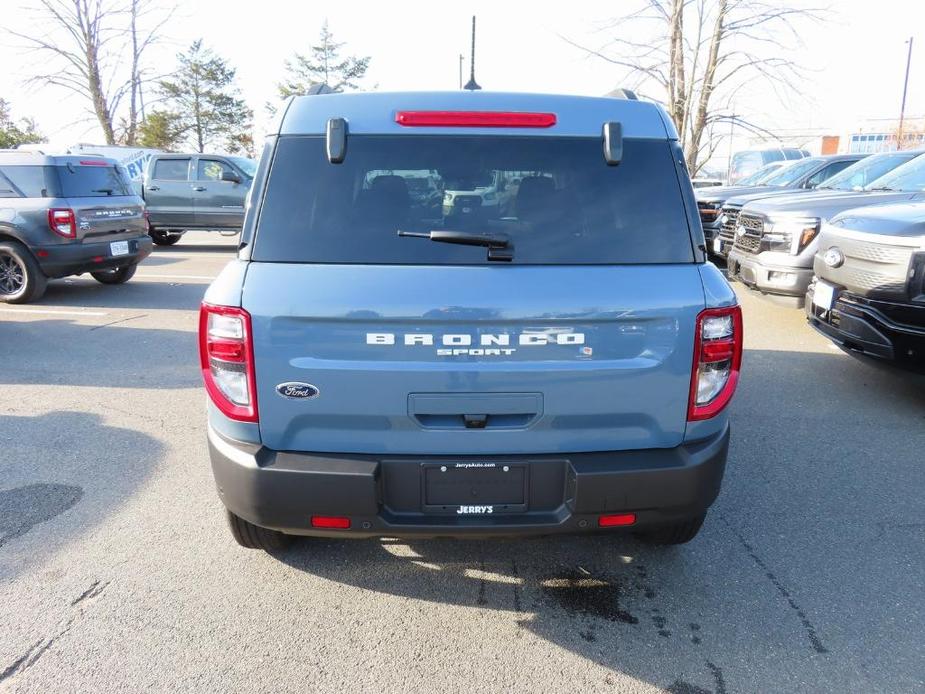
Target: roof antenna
{"x": 472, "y": 85}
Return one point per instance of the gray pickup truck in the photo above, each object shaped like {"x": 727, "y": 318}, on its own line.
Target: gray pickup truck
{"x": 775, "y": 240}
{"x": 869, "y": 293}
{"x": 204, "y": 192}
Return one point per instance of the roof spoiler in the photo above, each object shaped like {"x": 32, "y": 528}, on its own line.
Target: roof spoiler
{"x": 623, "y": 93}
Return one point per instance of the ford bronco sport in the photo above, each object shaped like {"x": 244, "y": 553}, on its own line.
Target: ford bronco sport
{"x": 66, "y": 215}
{"x": 377, "y": 367}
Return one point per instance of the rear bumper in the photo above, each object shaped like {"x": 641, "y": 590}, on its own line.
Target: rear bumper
{"x": 74, "y": 258}
{"x": 383, "y": 495}
{"x": 777, "y": 280}
{"x": 886, "y": 331}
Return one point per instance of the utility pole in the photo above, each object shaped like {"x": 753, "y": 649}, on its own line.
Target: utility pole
{"x": 902, "y": 109}
{"x": 472, "y": 84}
{"x": 462, "y": 59}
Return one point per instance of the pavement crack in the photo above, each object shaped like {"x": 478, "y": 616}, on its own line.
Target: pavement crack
{"x": 718, "y": 678}
{"x": 811, "y": 632}
{"x": 95, "y": 589}
{"x": 482, "y": 599}
{"x": 120, "y": 320}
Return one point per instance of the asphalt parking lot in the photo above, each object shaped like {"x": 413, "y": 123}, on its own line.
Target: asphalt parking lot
{"x": 117, "y": 572}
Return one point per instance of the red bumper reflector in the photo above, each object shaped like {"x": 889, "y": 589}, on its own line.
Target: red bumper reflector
{"x": 42, "y": 253}
{"x": 336, "y": 522}
{"x": 616, "y": 519}
{"x": 475, "y": 119}
{"x": 98, "y": 259}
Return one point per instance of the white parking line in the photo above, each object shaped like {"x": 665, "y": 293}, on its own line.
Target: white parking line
{"x": 53, "y": 312}
{"x": 149, "y": 275}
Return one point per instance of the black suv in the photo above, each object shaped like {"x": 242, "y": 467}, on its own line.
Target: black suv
{"x": 63, "y": 216}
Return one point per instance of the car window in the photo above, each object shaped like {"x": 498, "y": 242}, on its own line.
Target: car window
{"x": 554, "y": 198}
{"x": 27, "y": 181}
{"x": 248, "y": 166}
{"x": 171, "y": 169}
{"x": 866, "y": 170}
{"x": 791, "y": 174}
{"x": 827, "y": 172}
{"x": 745, "y": 163}
{"x": 212, "y": 170}
{"x": 908, "y": 177}
{"x": 92, "y": 181}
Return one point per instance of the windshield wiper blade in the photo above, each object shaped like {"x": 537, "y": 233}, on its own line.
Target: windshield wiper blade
{"x": 108, "y": 191}
{"x": 498, "y": 245}
{"x": 879, "y": 188}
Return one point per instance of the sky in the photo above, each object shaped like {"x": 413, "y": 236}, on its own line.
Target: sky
{"x": 854, "y": 58}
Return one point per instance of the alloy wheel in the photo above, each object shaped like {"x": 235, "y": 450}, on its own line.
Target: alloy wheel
{"x": 12, "y": 274}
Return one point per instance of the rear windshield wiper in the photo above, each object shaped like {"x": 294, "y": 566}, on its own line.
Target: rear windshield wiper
{"x": 498, "y": 245}
{"x": 108, "y": 191}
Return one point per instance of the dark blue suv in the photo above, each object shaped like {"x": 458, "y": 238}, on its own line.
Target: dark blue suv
{"x": 541, "y": 347}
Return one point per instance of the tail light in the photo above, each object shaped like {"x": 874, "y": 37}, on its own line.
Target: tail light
{"x": 63, "y": 222}
{"x": 226, "y": 355}
{"x": 717, "y": 359}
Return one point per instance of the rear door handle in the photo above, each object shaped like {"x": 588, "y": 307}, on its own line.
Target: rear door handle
{"x": 198, "y": 189}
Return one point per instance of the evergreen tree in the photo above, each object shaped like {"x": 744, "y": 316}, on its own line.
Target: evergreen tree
{"x": 161, "y": 130}
{"x": 323, "y": 65}
{"x": 13, "y": 133}
{"x": 204, "y": 100}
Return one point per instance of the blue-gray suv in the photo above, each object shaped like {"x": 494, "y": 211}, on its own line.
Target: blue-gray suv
{"x": 63, "y": 216}
{"x": 556, "y": 360}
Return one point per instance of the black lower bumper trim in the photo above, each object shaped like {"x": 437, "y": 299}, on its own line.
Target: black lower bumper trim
{"x": 865, "y": 327}
{"x": 75, "y": 258}
{"x": 383, "y": 495}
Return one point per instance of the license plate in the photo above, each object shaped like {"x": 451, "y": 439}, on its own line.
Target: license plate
{"x": 823, "y": 295}
{"x": 717, "y": 246}
{"x": 475, "y": 488}
{"x": 118, "y": 248}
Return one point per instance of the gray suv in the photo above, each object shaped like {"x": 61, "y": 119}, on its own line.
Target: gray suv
{"x": 776, "y": 239}
{"x": 195, "y": 191}
{"x": 64, "y": 216}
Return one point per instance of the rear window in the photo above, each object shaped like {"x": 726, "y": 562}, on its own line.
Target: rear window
{"x": 92, "y": 181}
{"x": 555, "y": 199}
{"x": 28, "y": 182}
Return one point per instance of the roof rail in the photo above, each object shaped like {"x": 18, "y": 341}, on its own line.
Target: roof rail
{"x": 623, "y": 93}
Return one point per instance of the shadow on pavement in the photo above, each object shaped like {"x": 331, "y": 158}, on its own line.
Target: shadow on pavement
{"x": 135, "y": 294}
{"x": 60, "y": 353}
{"x": 793, "y": 579}
{"x": 62, "y": 474}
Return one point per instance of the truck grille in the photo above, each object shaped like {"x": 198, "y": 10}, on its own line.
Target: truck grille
{"x": 870, "y": 268}
{"x": 728, "y": 232}
{"x": 750, "y": 242}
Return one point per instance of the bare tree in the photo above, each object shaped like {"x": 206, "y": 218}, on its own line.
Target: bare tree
{"x": 699, "y": 54}
{"x": 85, "y": 42}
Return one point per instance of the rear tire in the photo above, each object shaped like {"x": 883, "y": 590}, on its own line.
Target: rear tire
{"x": 164, "y": 238}
{"x": 120, "y": 275}
{"x": 254, "y": 537}
{"x": 21, "y": 278}
{"x": 674, "y": 533}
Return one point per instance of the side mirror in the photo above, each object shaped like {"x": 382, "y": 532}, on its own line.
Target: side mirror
{"x": 231, "y": 176}
{"x": 613, "y": 143}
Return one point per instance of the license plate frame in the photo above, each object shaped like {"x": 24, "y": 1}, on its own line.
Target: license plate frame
{"x": 118, "y": 248}
{"x": 823, "y": 295}
{"x": 474, "y": 489}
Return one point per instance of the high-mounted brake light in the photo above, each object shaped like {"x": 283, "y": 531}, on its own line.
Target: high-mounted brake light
{"x": 93, "y": 162}
{"x": 475, "y": 119}
{"x": 717, "y": 360}
{"x": 226, "y": 356}
{"x": 63, "y": 222}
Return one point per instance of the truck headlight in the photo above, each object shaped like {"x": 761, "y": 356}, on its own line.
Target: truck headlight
{"x": 789, "y": 235}
{"x": 447, "y": 198}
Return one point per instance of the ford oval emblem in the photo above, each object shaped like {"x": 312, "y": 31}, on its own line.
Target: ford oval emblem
{"x": 834, "y": 257}
{"x": 301, "y": 391}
